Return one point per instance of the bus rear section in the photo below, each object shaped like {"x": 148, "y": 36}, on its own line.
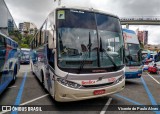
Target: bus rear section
{"x": 25, "y": 56}
{"x": 9, "y": 61}
{"x": 133, "y": 56}
{"x": 86, "y": 57}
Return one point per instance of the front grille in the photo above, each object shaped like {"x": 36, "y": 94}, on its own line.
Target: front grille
{"x": 98, "y": 85}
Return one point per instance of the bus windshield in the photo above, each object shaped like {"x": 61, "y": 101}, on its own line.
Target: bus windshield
{"x": 133, "y": 54}
{"x": 84, "y": 37}
{"x": 25, "y": 52}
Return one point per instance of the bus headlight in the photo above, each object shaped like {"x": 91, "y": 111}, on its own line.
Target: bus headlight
{"x": 120, "y": 79}
{"x": 68, "y": 83}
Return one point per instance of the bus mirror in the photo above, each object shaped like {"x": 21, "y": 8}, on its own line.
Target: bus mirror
{"x": 53, "y": 52}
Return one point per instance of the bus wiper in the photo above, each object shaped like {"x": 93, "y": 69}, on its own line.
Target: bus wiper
{"x": 139, "y": 55}
{"x": 85, "y": 56}
{"x": 110, "y": 58}
{"x": 89, "y": 45}
{"x": 82, "y": 63}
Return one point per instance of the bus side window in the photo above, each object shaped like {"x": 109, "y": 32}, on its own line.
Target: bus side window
{"x": 51, "y": 58}
{"x": 43, "y": 32}
{"x": 50, "y": 32}
{"x": 33, "y": 56}
{"x": 157, "y": 57}
{"x": 2, "y": 47}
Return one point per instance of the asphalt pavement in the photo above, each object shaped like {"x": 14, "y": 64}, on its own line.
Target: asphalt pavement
{"x": 27, "y": 91}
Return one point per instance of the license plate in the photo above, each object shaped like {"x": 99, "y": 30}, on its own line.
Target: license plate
{"x": 99, "y": 92}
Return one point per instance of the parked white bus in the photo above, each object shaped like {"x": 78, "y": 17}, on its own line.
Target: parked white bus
{"x": 25, "y": 56}
{"x": 133, "y": 55}
{"x": 73, "y": 57}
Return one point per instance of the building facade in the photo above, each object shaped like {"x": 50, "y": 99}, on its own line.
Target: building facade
{"x": 27, "y": 28}
{"x": 7, "y": 23}
{"x": 143, "y": 37}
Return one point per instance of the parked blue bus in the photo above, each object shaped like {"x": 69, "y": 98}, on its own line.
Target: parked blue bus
{"x": 133, "y": 56}
{"x": 9, "y": 61}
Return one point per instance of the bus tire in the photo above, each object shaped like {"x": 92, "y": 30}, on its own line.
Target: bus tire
{"x": 57, "y": 103}
{"x": 42, "y": 78}
{"x": 32, "y": 69}
{"x": 42, "y": 82}
{"x": 14, "y": 75}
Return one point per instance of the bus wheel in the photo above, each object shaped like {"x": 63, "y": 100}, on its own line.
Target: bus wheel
{"x": 42, "y": 82}
{"x": 32, "y": 69}
{"x": 14, "y": 75}
{"x": 14, "y": 79}
{"x": 42, "y": 77}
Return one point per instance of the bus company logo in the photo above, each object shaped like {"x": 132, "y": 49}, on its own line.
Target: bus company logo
{"x": 88, "y": 82}
{"x": 111, "y": 79}
{"x": 126, "y": 36}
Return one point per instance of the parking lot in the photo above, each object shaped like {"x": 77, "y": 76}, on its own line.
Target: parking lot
{"x": 28, "y": 91}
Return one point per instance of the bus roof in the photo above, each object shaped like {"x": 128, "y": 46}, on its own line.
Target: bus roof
{"x": 3, "y": 34}
{"x": 79, "y": 4}
{"x": 8, "y": 37}
{"x": 128, "y": 31}
{"x": 85, "y": 9}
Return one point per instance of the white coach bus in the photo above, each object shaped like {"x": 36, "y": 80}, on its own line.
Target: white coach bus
{"x": 75, "y": 56}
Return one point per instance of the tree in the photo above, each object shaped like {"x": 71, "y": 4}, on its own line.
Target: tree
{"x": 15, "y": 35}
{"x": 22, "y": 40}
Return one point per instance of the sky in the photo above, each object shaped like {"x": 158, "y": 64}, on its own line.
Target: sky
{"x": 36, "y": 11}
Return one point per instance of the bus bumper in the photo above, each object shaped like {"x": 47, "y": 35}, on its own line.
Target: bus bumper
{"x": 131, "y": 75}
{"x": 25, "y": 61}
{"x": 66, "y": 94}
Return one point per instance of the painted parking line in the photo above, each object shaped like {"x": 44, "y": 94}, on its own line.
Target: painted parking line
{"x": 132, "y": 101}
{"x": 106, "y": 106}
{"x": 25, "y": 103}
{"x": 30, "y": 101}
{"x": 18, "y": 99}
{"x": 148, "y": 92}
{"x": 151, "y": 98}
{"x": 153, "y": 78}
{"x": 12, "y": 87}
{"x": 127, "y": 99}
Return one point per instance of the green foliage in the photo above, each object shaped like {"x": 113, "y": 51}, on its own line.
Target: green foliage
{"x": 24, "y": 46}
{"x": 22, "y": 40}
{"x": 142, "y": 45}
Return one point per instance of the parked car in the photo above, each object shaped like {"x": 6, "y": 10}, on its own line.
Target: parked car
{"x": 152, "y": 69}
{"x": 155, "y": 66}
{"x": 148, "y": 61}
